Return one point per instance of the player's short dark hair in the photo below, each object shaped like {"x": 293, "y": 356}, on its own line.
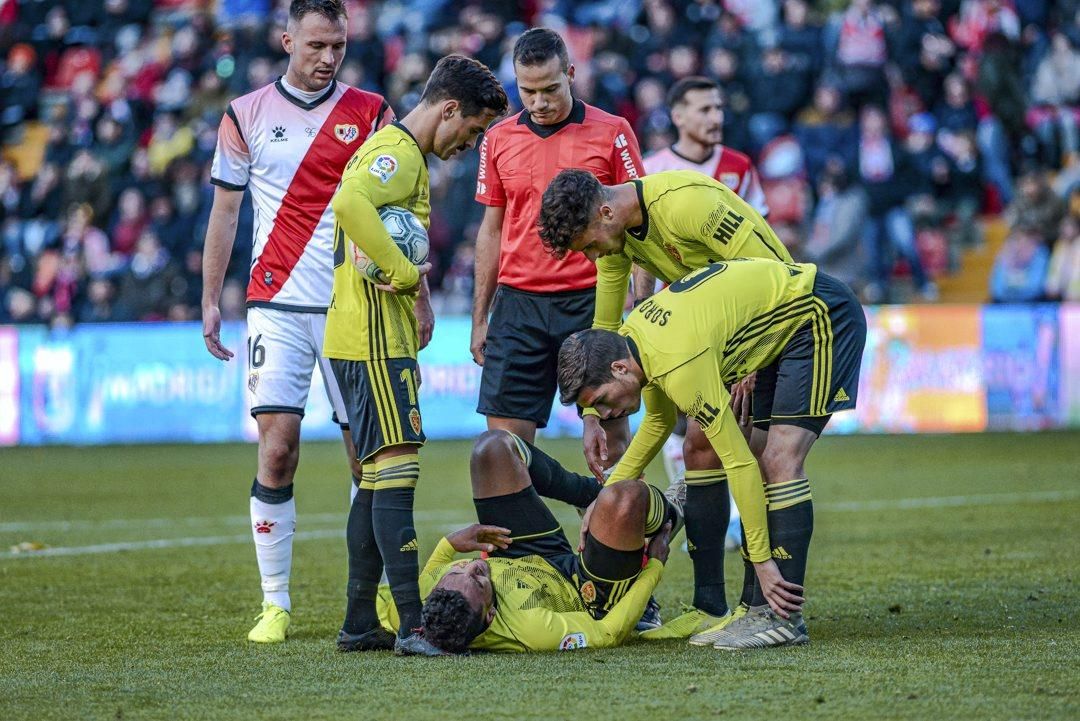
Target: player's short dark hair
{"x": 585, "y": 360}
{"x": 449, "y": 622}
{"x": 538, "y": 45}
{"x": 332, "y": 10}
{"x": 678, "y": 91}
{"x": 569, "y": 203}
{"x": 467, "y": 81}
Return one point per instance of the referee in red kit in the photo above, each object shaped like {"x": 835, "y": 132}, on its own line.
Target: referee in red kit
{"x": 535, "y": 301}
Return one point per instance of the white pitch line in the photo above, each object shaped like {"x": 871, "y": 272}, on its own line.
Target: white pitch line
{"x": 447, "y": 518}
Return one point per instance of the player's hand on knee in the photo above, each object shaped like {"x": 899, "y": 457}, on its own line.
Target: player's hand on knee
{"x": 479, "y": 537}
{"x": 211, "y": 330}
{"x": 784, "y": 597}
{"x": 658, "y": 547}
{"x": 596, "y": 450}
{"x": 585, "y": 527}
{"x": 478, "y": 341}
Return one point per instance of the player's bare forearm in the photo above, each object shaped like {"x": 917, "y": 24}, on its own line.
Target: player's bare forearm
{"x": 486, "y": 262}
{"x": 217, "y": 247}
{"x": 644, "y": 284}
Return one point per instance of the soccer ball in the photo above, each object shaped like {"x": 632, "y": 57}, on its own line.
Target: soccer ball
{"x": 408, "y": 234}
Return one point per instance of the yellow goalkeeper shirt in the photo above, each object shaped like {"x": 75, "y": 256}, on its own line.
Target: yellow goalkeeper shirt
{"x": 699, "y": 335}
{"x": 689, "y": 221}
{"x": 536, "y": 607}
{"x": 364, "y": 323}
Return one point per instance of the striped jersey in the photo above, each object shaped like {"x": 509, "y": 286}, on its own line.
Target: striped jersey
{"x": 699, "y": 335}
{"x": 518, "y": 158}
{"x": 688, "y": 221}
{"x": 290, "y": 153}
{"x": 363, "y": 322}
{"x": 729, "y": 166}
{"x": 536, "y": 607}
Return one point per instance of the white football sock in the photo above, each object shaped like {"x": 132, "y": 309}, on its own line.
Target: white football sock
{"x": 273, "y": 526}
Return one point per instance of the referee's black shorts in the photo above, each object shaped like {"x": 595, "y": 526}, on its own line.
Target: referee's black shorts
{"x": 817, "y": 373}
{"x": 521, "y": 356}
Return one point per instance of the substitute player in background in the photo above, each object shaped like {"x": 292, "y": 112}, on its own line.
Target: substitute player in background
{"x": 696, "y": 105}
{"x": 288, "y": 142}
{"x": 372, "y": 340}
{"x": 803, "y": 332}
{"x": 532, "y": 592}
{"x": 668, "y": 224}
{"x": 540, "y": 300}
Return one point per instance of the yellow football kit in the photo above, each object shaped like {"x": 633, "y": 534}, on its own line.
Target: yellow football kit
{"x": 706, "y": 331}
{"x": 689, "y": 221}
{"x": 536, "y": 607}
{"x": 364, "y": 323}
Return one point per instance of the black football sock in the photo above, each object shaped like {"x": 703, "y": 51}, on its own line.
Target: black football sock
{"x": 791, "y": 524}
{"x": 392, "y": 518}
{"x": 551, "y": 480}
{"x": 708, "y": 509}
{"x": 365, "y": 563}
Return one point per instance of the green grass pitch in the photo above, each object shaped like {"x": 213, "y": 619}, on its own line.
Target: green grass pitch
{"x": 942, "y": 584}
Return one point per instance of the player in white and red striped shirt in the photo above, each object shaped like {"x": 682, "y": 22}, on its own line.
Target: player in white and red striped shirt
{"x": 287, "y": 143}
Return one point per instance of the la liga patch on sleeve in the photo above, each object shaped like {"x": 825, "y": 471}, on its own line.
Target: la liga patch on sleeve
{"x": 383, "y": 167}
{"x": 573, "y": 641}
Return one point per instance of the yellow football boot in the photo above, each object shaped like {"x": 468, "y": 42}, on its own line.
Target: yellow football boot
{"x": 271, "y": 624}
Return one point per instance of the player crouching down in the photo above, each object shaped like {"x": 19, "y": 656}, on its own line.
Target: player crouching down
{"x": 533, "y": 592}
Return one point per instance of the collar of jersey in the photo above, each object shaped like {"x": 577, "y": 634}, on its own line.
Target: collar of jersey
{"x": 677, "y": 154}
{"x": 577, "y": 115}
{"x": 405, "y": 130}
{"x": 302, "y": 104}
{"x": 642, "y": 230}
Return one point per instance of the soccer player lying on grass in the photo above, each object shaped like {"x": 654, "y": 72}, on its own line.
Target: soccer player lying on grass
{"x": 669, "y": 224}
{"x": 803, "y": 332}
{"x": 532, "y": 592}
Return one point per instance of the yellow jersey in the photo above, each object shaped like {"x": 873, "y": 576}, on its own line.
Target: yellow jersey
{"x": 536, "y": 607}
{"x": 688, "y": 221}
{"x": 702, "y": 333}
{"x": 364, "y": 323}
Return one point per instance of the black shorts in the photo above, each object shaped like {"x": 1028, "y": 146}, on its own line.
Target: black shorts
{"x": 521, "y": 355}
{"x": 817, "y": 373}
{"x": 381, "y": 401}
{"x": 536, "y": 532}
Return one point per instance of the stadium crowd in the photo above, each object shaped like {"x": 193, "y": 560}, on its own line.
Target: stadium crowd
{"x": 879, "y": 129}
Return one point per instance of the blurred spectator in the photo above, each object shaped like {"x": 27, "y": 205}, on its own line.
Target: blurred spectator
{"x": 855, "y": 43}
{"x": 19, "y": 88}
{"x": 779, "y": 89}
{"x": 1036, "y": 206}
{"x": 86, "y": 183}
{"x": 826, "y": 130}
{"x": 1056, "y": 95}
{"x": 885, "y": 171}
{"x": 1019, "y": 273}
{"x": 131, "y": 218}
{"x": 924, "y": 51}
{"x": 152, "y": 283}
{"x": 833, "y": 240}
{"x": 168, "y": 141}
{"x": 800, "y": 38}
{"x": 1063, "y": 279}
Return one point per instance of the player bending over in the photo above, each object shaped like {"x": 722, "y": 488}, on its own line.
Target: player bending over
{"x": 803, "y": 332}
{"x": 533, "y": 592}
{"x": 669, "y": 224}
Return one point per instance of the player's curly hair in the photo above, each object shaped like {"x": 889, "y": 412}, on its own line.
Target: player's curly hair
{"x": 332, "y": 10}
{"x": 585, "y": 360}
{"x": 449, "y": 622}
{"x": 467, "y": 81}
{"x": 569, "y": 203}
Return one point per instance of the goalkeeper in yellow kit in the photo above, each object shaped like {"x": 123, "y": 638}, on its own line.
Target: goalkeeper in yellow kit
{"x": 803, "y": 332}
{"x": 532, "y": 592}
